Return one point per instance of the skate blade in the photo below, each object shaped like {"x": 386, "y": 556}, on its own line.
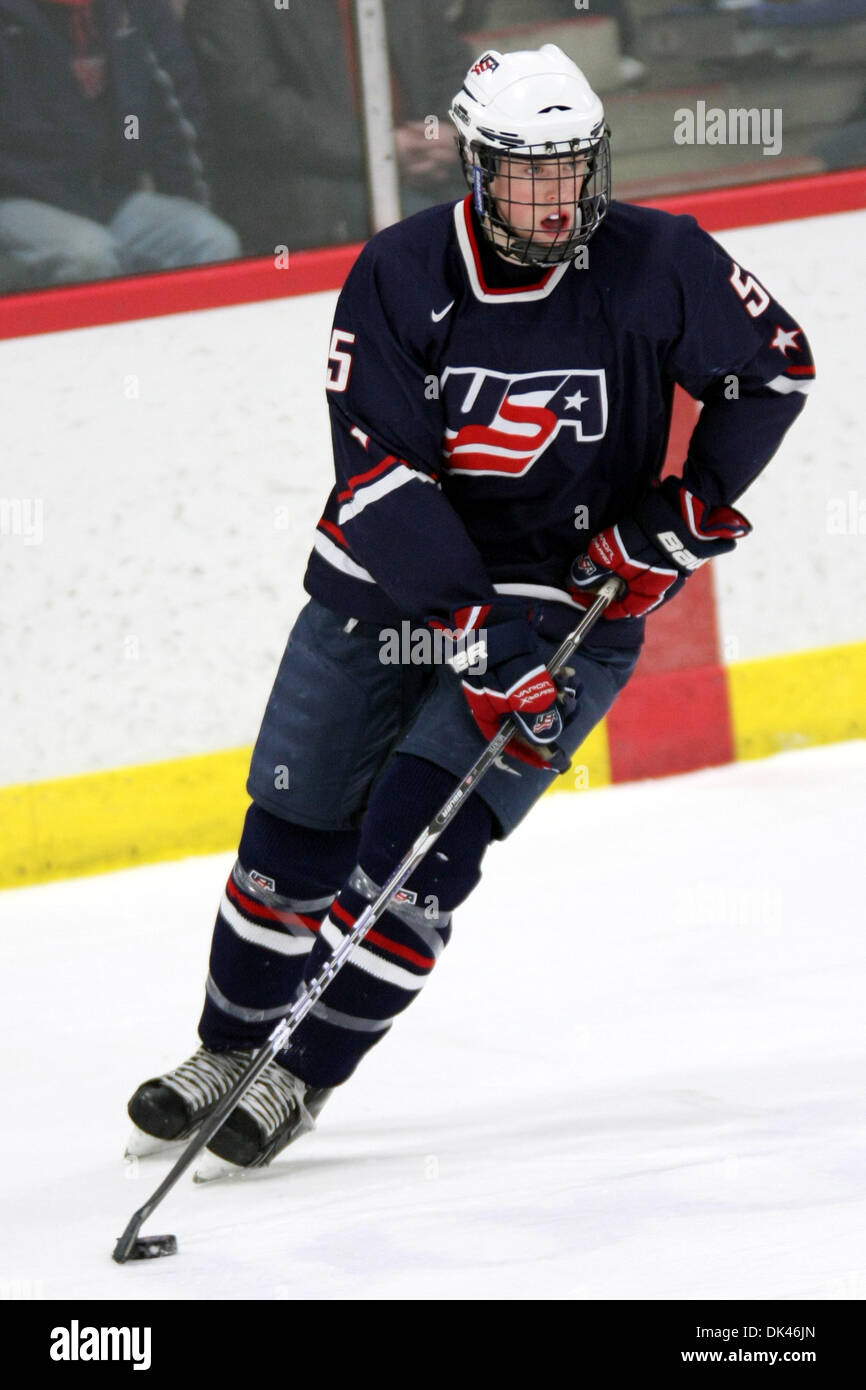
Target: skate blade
{"x": 140, "y": 1144}
{"x": 212, "y": 1168}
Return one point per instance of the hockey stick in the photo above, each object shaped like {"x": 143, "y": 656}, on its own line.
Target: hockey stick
{"x": 132, "y": 1247}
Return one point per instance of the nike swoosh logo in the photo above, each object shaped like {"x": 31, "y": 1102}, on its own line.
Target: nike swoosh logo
{"x": 503, "y": 765}
{"x": 437, "y": 317}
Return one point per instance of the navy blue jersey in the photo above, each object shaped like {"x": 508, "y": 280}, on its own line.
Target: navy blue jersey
{"x": 486, "y": 426}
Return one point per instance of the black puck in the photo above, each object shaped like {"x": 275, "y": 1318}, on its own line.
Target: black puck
{"x": 146, "y": 1248}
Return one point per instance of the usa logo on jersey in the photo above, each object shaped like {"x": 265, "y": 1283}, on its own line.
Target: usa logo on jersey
{"x": 498, "y": 423}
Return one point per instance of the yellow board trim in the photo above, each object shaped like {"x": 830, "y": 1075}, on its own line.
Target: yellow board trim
{"x": 798, "y": 700}
{"x": 142, "y": 815}
{"x": 117, "y": 819}
{"x": 139, "y": 815}
{"x": 590, "y": 767}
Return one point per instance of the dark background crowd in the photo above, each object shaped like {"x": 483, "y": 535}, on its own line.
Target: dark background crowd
{"x": 142, "y": 135}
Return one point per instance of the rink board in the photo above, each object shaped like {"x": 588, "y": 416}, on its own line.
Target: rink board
{"x": 137, "y": 815}
{"x": 172, "y": 430}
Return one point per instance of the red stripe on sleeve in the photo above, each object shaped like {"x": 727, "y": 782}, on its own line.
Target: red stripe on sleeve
{"x": 365, "y": 477}
{"x": 334, "y": 531}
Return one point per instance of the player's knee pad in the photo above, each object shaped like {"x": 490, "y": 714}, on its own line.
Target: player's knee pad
{"x": 292, "y": 860}
{"x": 406, "y": 798}
{"x": 284, "y": 880}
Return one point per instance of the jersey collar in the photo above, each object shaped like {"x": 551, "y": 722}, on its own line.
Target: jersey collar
{"x": 467, "y": 241}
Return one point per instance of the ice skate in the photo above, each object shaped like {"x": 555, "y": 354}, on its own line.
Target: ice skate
{"x": 277, "y": 1109}
{"x": 167, "y": 1109}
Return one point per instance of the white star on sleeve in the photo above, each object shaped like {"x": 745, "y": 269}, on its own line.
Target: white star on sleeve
{"x": 784, "y": 340}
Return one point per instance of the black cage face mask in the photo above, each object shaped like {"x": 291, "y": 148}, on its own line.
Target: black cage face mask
{"x": 540, "y": 203}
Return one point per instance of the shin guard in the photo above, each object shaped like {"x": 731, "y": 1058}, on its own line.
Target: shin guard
{"x": 391, "y": 965}
{"x": 279, "y": 890}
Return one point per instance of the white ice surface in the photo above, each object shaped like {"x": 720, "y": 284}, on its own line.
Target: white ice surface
{"x": 638, "y": 1071}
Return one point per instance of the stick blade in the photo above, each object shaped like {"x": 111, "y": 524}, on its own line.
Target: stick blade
{"x": 144, "y": 1248}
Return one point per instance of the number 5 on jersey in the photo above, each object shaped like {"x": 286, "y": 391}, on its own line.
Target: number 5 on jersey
{"x": 747, "y": 287}
{"x": 338, "y": 374}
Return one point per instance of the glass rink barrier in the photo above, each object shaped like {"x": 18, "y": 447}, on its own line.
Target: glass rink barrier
{"x": 208, "y": 130}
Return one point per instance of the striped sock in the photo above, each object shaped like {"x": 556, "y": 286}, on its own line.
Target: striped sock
{"x": 282, "y": 884}
{"x": 260, "y": 946}
{"x": 378, "y": 981}
{"x": 388, "y": 970}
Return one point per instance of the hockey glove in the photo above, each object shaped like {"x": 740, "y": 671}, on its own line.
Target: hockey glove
{"x": 655, "y": 549}
{"x": 501, "y": 663}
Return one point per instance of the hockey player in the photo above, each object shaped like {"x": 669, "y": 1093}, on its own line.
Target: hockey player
{"x": 500, "y": 370}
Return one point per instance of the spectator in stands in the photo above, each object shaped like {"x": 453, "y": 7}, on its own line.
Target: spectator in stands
{"x": 472, "y": 17}
{"x": 845, "y": 147}
{"x": 631, "y": 69}
{"x": 102, "y": 142}
{"x": 14, "y": 276}
{"x": 283, "y": 89}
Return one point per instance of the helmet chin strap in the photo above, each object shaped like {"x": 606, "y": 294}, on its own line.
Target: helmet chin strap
{"x": 478, "y": 188}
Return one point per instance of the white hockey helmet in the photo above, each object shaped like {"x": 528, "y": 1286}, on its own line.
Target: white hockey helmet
{"x": 524, "y": 119}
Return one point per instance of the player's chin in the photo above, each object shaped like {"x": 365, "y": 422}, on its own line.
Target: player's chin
{"x": 541, "y": 237}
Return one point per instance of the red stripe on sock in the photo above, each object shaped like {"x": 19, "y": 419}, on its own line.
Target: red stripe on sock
{"x": 396, "y": 949}
{"x": 377, "y": 939}
{"x": 256, "y": 909}
{"x": 249, "y": 904}
{"x": 309, "y": 922}
{"x": 337, "y": 910}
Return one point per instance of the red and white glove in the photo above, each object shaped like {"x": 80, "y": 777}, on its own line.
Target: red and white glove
{"x": 669, "y": 535}
{"x": 501, "y": 662}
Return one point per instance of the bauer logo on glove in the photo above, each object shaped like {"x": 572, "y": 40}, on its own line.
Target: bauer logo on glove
{"x": 677, "y": 551}
{"x": 669, "y": 535}
{"x": 471, "y": 657}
